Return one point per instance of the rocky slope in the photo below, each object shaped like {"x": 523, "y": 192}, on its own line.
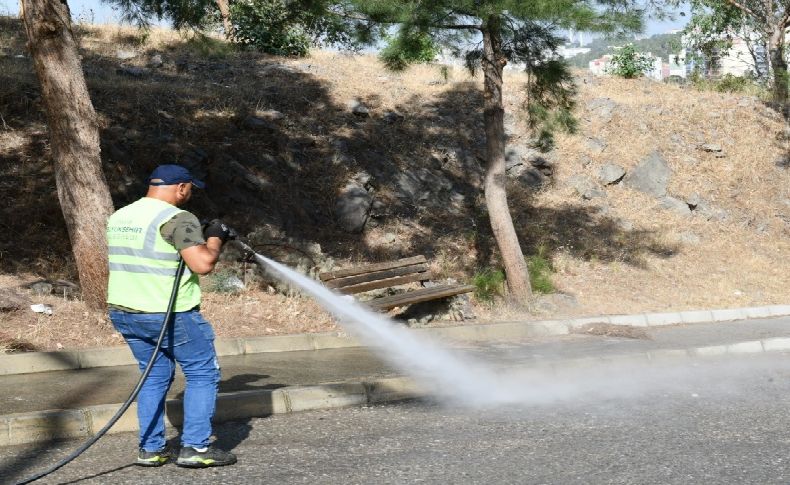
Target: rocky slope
{"x": 666, "y": 198}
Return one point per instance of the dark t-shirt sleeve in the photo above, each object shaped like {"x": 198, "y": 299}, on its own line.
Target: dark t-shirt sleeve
{"x": 183, "y": 231}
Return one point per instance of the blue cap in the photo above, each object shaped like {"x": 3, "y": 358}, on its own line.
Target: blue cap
{"x": 173, "y": 174}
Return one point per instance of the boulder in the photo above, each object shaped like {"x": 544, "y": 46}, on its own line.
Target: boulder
{"x": 125, "y": 54}
{"x": 392, "y": 117}
{"x": 156, "y": 61}
{"x": 675, "y": 205}
{"x": 41, "y": 288}
{"x": 12, "y": 301}
{"x": 359, "y": 108}
{"x": 650, "y": 176}
{"x": 555, "y": 303}
{"x": 694, "y": 200}
{"x": 596, "y": 145}
{"x": 353, "y": 207}
{"x": 520, "y": 159}
{"x": 533, "y": 178}
{"x": 586, "y": 187}
{"x": 610, "y": 174}
{"x": 420, "y": 185}
{"x": 132, "y": 71}
{"x": 257, "y": 123}
{"x": 602, "y": 108}
{"x": 269, "y": 115}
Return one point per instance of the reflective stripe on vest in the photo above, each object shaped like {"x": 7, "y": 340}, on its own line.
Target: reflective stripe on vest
{"x": 139, "y": 268}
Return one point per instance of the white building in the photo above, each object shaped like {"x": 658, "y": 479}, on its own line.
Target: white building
{"x": 739, "y": 60}
{"x": 600, "y": 66}
{"x": 656, "y": 71}
{"x": 566, "y": 51}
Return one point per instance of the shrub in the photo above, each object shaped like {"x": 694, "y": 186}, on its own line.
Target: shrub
{"x": 729, "y": 83}
{"x": 269, "y": 26}
{"x": 408, "y": 48}
{"x": 540, "y": 270}
{"x": 488, "y": 284}
{"x": 629, "y": 63}
{"x": 733, "y": 84}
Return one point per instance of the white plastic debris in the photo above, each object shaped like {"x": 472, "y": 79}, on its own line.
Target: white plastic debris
{"x": 41, "y": 308}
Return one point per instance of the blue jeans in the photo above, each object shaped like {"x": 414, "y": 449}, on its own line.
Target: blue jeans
{"x": 190, "y": 342}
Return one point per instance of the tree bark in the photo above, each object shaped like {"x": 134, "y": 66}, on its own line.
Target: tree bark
{"x": 74, "y": 139}
{"x": 778, "y": 66}
{"x": 224, "y": 11}
{"x": 493, "y": 63}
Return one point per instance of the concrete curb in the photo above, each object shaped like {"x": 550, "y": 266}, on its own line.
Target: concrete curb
{"x": 30, "y": 362}
{"x": 49, "y": 425}
{"x": 42, "y": 426}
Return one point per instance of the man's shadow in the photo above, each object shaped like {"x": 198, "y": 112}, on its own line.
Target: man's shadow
{"x": 232, "y": 432}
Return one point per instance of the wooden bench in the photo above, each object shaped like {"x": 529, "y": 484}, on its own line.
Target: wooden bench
{"x": 386, "y": 275}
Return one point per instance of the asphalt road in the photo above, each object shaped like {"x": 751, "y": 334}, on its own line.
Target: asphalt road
{"x": 726, "y": 422}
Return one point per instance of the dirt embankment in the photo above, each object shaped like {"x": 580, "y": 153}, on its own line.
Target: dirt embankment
{"x": 277, "y": 141}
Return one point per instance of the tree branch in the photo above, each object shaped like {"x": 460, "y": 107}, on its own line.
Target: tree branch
{"x": 460, "y": 27}
{"x": 785, "y": 18}
{"x": 743, "y": 8}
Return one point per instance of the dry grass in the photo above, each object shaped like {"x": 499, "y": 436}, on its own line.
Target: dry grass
{"x": 621, "y": 254}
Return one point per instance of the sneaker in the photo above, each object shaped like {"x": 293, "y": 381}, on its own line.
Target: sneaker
{"x": 153, "y": 458}
{"x": 191, "y": 457}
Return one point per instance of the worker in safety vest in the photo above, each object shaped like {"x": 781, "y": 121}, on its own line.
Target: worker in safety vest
{"x": 145, "y": 241}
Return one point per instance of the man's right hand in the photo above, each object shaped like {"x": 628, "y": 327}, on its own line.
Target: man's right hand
{"x": 217, "y": 228}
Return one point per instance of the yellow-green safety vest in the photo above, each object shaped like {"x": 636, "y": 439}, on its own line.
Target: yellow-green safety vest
{"x": 142, "y": 264}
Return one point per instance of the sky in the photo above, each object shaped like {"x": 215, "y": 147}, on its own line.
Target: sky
{"x": 95, "y": 11}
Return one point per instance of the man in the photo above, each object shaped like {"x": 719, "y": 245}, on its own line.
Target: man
{"x": 145, "y": 241}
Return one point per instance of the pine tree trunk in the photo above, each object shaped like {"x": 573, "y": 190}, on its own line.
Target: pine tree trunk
{"x": 779, "y": 67}
{"x": 224, "y": 11}
{"x": 74, "y": 139}
{"x": 519, "y": 290}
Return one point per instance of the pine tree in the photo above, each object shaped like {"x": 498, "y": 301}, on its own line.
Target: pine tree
{"x": 74, "y": 136}
{"x": 489, "y": 34}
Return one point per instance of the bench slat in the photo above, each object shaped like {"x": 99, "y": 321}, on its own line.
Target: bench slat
{"x": 370, "y": 268}
{"x": 418, "y": 296}
{"x": 378, "y": 275}
{"x": 386, "y": 283}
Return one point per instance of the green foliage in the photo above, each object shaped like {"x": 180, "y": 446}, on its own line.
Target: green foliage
{"x": 540, "y": 270}
{"x": 551, "y": 94}
{"x": 182, "y": 13}
{"x": 286, "y": 27}
{"x": 408, "y": 47}
{"x": 629, "y": 63}
{"x": 290, "y": 27}
{"x": 488, "y": 284}
{"x": 729, "y": 84}
{"x": 269, "y": 26}
{"x": 733, "y": 84}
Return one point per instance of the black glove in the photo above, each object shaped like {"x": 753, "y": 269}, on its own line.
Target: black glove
{"x": 217, "y": 228}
